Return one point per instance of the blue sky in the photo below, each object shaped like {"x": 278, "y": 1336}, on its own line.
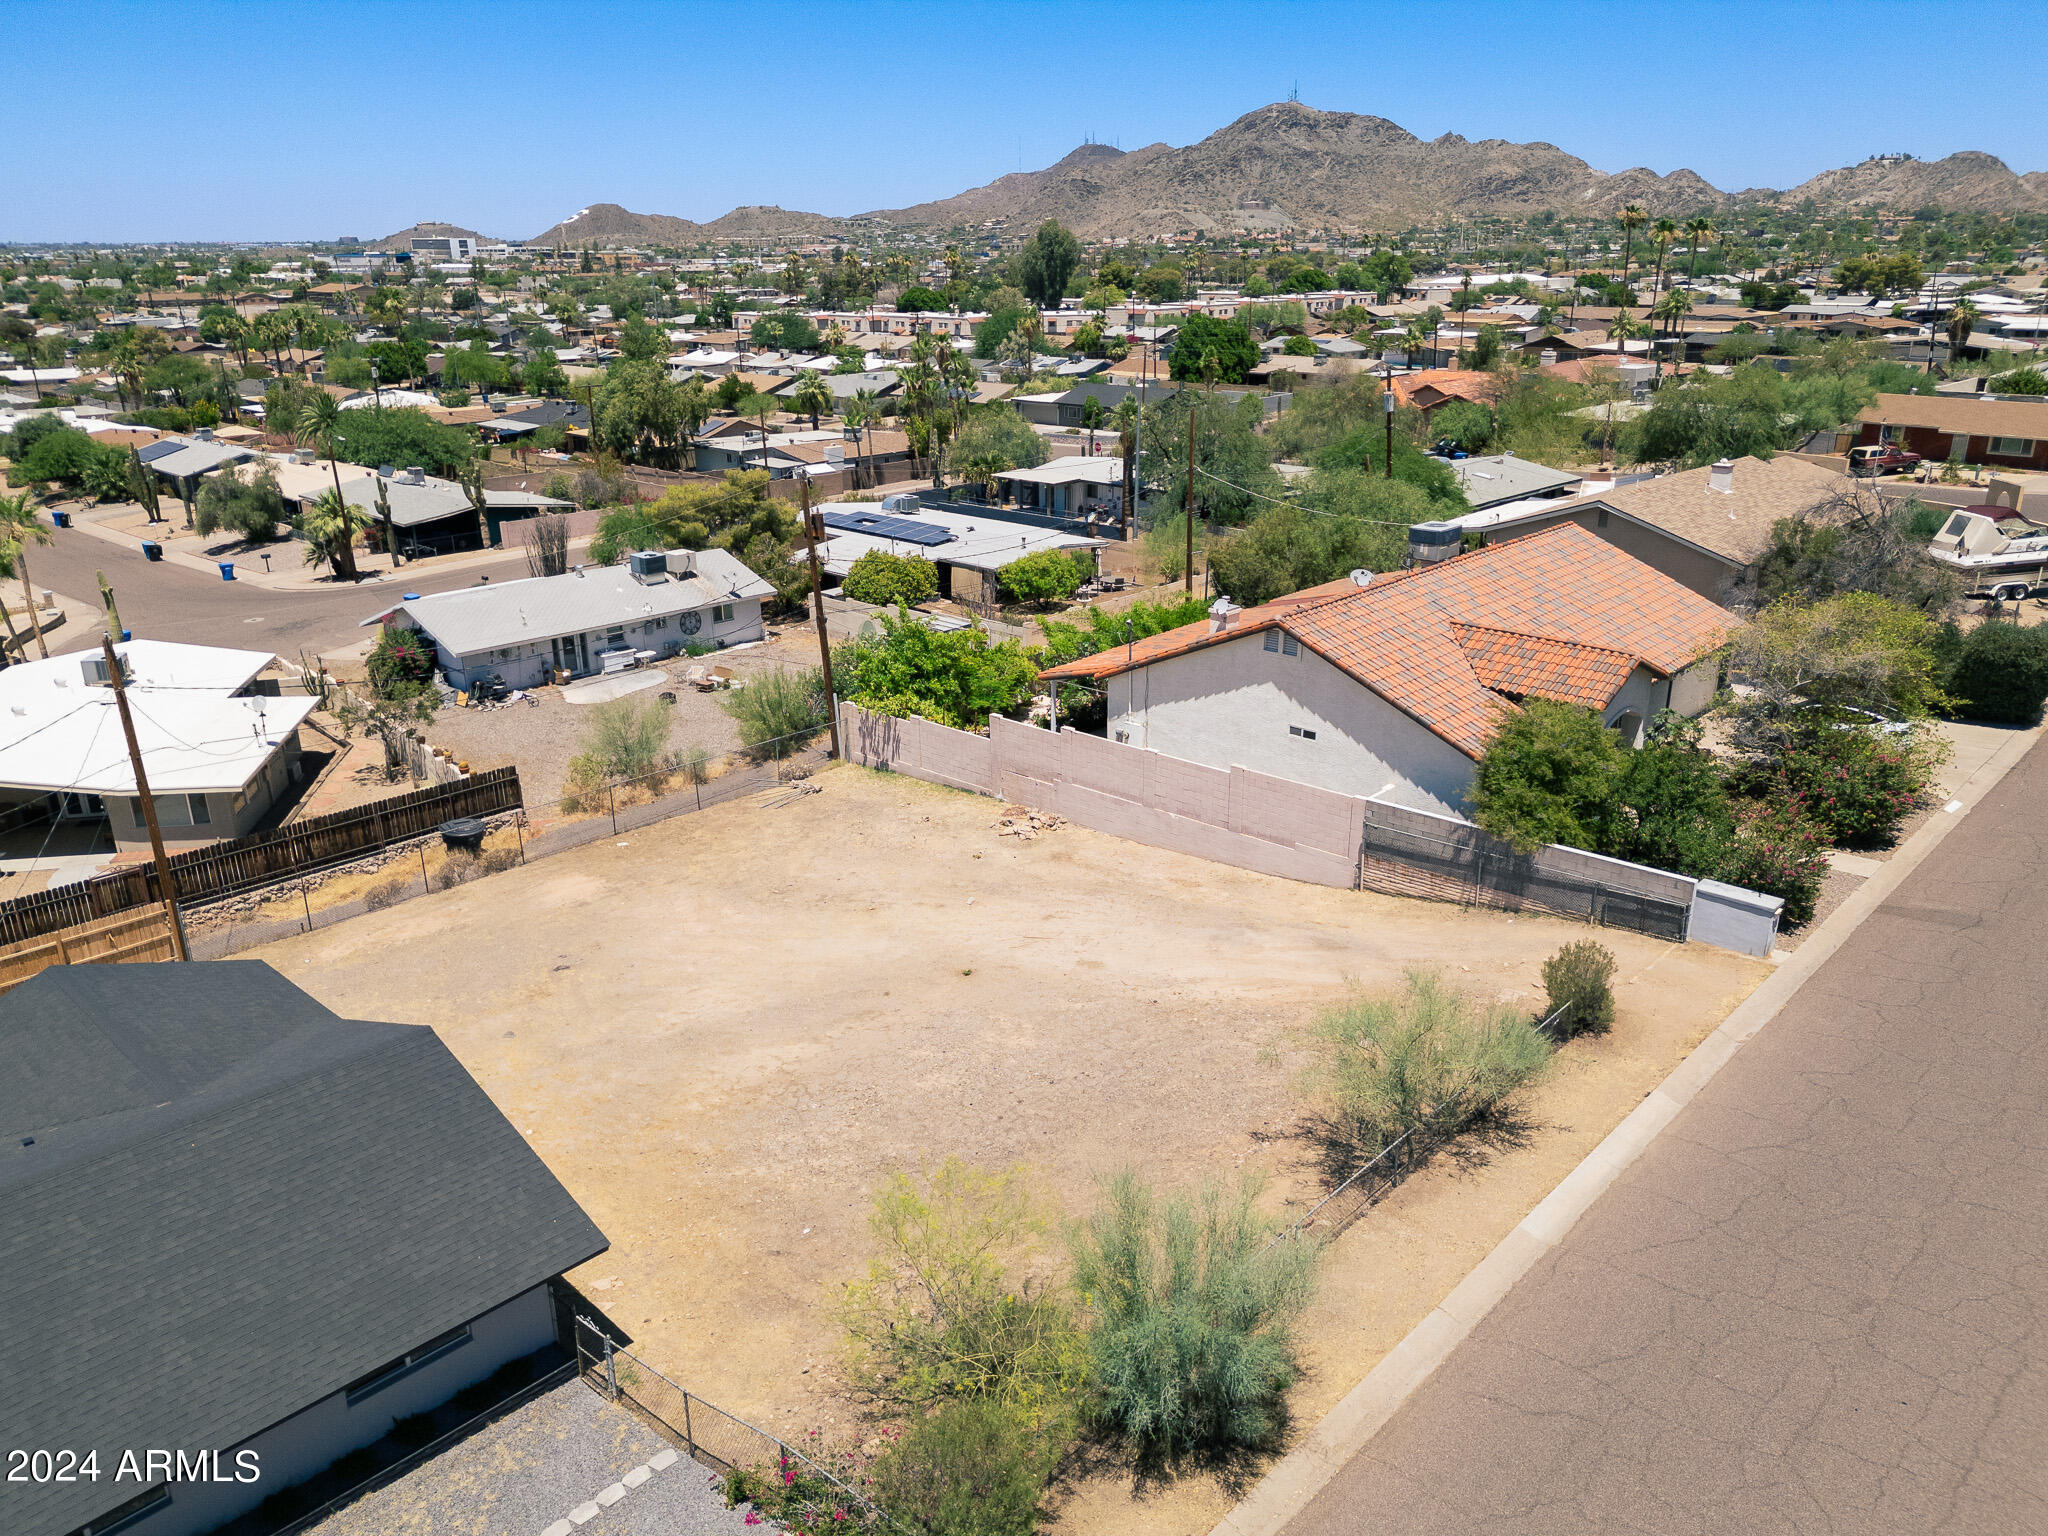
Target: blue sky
{"x": 287, "y": 120}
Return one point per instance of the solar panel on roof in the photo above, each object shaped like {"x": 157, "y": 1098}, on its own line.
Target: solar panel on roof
{"x": 160, "y": 450}
{"x": 880, "y": 526}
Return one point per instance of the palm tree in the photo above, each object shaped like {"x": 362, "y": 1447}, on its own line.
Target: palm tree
{"x": 330, "y": 526}
{"x": 1626, "y": 328}
{"x": 1127, "y": 444}
{"x": 1699, "y": 230}
{"x": 20, "y": 527}
{"x": 855, "y": 414}
{"x": 1665, "y": 233}
{"x": 870, "y": 407}
{"x": 1672, "y": 308}
{"x": 811, "y": 398}
{"x": 1631, "y": 219}
{"x": 1962, "y": 320}
{"x": 319, "y": 427}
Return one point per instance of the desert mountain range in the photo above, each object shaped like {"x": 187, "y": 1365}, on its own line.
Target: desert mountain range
{"x": 1290, "y": 166}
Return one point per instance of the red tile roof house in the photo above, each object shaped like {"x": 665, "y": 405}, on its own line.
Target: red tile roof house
{"x": 1396, "y": 687}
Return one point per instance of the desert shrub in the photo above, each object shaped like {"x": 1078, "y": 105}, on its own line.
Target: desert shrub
{"x": 1671, "y": 808}
{"x": 628, "y": 738}
{"x": 496, "y": 861}
{"x": 400, "y": 665}
{"x": 1856, "y": 784}
{"x": 1421, "y": 1055}
{"x": 414, "y": 1430}
{"x": 795, "y": 1497}
{"x": 957, "y": 677}
{"x": 776, "y": 711}
{"x": 972, "y": 1468}
{"x": 1548, "y": 776}
{"x": 1780, "y": 852}
{"x": 694, "y": 764}
{"x": 880, "y": 577}
{"x": 583, "y": 785}
{"x": 1578, "y": 979}
{"x": 946, "y": 1311}
{"x": 388, "y": 893}
{"x": 1191, "y": 1310}
{"x": 247, "y": 503}
{"x": 459, "y": 868}
{"x": 2000, "y": 673}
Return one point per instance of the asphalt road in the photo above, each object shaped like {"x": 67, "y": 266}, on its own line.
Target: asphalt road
{"x": 173, "y": 602}
{"x": 1815, "y": 1303}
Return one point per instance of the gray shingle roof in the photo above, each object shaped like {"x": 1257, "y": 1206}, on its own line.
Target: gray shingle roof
{"x": 236, "y": 1203}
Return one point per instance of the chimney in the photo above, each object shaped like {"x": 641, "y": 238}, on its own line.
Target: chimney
{"x": 1721, "y": 477}
{"x": 1222, "y": 615}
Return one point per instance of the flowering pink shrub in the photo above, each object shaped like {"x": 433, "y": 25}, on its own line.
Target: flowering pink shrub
{"x": 1778, "y": 851}
{"x": 1856, "y": 784}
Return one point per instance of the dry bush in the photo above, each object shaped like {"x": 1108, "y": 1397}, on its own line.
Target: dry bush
{"x": 388, "y": 893}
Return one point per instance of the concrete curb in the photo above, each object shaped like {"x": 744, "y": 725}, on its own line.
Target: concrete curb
{"x": 1296, "y": 1479}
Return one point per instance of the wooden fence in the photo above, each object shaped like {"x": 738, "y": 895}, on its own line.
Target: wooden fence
{"x": 129, "y": 939}
{"x": 221, "y": 869}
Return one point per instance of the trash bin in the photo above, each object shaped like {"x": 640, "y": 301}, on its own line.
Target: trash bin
{"x": 151, "y": 550}
{"x": 227, "y": 570}
{"x": 127, "y": 635}
{"x": 61, "y": 519}
{"x": 464, "y": 833}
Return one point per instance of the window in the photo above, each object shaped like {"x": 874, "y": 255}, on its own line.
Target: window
{"x": 384, "y": 1375}
{"x": 722, "y": 614}
{"x": 1272, "y": 639}
{"x": 1602, "y": 521}
{"x": 1305, "y": 735}
{"x": 660, "y": 623}
{"x": 2012, "y": 447}
{"x": 201, "y": 815}
{"x": 615, "y": 637}
{"x": 1289, "y": 646}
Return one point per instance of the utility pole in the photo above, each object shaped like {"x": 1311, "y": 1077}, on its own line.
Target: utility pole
{"x": 814, "y": 528}
{"x": 1188, "y": 500}
{"x": 166, "y": 886}
{"x": 1387, "y": 410}
{"x": 107, "y": 601}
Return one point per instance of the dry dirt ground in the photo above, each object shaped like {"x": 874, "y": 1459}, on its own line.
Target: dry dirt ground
{"x": 722, "y": 1031}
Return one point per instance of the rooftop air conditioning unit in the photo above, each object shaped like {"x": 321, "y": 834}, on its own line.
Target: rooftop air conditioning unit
{"x": 648, "y": 565}
{"x": 204, "y": 434}
{"x": 414, "y": 475}
{"x": 1431, "y": 542}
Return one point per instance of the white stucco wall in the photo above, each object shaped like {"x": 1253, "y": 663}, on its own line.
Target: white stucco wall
{"x": 529, "y": 661}
{"x": 1232, "y": 705}
{"x": 292, "y": 1451}
{"x": 1692, "y": 690}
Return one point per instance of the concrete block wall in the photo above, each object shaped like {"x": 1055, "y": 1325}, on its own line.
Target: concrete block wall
{"x": 1255, "y": 821}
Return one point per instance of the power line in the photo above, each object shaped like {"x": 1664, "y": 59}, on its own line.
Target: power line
{"x": 1301, "y": 506}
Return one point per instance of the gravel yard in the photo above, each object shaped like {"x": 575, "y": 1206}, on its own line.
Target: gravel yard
{"x": 827, "y": 989}
{"x": 540, "y": 739}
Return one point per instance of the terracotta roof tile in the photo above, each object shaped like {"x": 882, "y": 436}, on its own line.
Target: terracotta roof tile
{"x": 1558, "y": 614}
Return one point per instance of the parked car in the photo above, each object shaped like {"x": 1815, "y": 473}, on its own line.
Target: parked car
{"x": 1880, "y": 459}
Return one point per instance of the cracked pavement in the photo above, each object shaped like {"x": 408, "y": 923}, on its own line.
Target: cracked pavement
{"x": 1815, "y": 1302}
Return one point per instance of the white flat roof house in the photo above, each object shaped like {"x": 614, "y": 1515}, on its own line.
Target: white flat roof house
{"x": 970, "y": 549}
{"x": 657, "y": 603}
{"x": 218, "y": 752}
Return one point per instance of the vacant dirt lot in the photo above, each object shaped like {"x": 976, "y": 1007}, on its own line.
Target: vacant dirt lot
{"x": 722, "y": 1031}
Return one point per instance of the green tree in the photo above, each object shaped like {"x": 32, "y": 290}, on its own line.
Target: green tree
{"x": 1855, "y": 650}
{"x": 1290, "y": 548}
{"x": 1233, "y": 475}
{"x": 542, "y": 374}
{"x": 959, "y": 677}
{"x": 885, "y": 579}
{"x": 1046, "y": 576}
{"x": 811, "y": 397}
{"x": 1548, "y": 776}
{"x": 1227, "y": 342}
{"x": 1631, "y": 219}
{"x": 244, "y": 502}
{"x": 784, "y": 330}
{"x": 922, "y": 300}
{"x": 637, "y": 413}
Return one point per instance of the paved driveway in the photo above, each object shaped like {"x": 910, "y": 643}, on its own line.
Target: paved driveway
{"x": 1816, "y": 1302}
{"x": 526, "y": 1472}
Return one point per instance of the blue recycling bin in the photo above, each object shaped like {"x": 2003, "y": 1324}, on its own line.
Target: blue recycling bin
{"x": 61, "y": 519}
{"x": 151, "y": 550}
{"x": 227, "y": 570}
{"x": 127, "y": 635}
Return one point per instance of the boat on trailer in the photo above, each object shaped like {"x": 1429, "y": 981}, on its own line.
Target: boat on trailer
{"x": 1993, "y": 563}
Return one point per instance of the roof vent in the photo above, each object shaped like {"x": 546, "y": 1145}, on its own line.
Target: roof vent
{"x": 1361, "y": 578}
{"x": 414, "y": 475}
{"x": 1721, "y": 477}
{"x": 1223, "y": 614}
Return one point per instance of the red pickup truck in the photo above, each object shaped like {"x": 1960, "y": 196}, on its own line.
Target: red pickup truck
{"x": 1880, "y": 459}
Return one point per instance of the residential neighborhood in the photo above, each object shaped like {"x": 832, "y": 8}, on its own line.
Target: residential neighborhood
{"x": 1201, "y": 819}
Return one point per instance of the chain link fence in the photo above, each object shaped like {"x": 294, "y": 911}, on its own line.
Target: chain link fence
{"x": 708, "y": 1434}
{"x": 1402, "y": 862}
{"x": 422, "y": 865}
